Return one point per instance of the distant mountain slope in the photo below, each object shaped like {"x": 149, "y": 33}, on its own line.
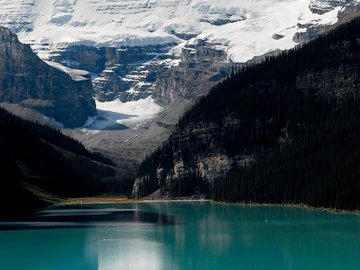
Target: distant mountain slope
{"x": 27, "y": 80}
{"x": 38, "y": 164}
{"x": 283, "y": 131}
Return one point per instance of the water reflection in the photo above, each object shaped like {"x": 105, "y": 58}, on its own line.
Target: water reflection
{"x": 189, "y": 235}
{"x": 45, "y": 249}
{"x": 70, "y": 217}
{"x": 130, "y": 254}
{"x": 235, "y": 237}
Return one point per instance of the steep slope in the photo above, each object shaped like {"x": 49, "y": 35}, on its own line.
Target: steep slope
{"x": 285, "y": 130}
{"x": 37, "y": 161}
{"x": 27, "y": 80}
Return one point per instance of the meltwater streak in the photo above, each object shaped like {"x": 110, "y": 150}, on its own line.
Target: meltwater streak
{"x": 203, "y": 236}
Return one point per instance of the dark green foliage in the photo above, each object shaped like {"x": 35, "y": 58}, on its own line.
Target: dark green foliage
{"x": 43, "y": 157}
{"x": 15, "y": 125}
{"x": 14, "y": 200}
{"x": 277, "y": 76}
{"x": 319, "y": 168}
{"x": 296, "y": 113}
{"x": 191, "y": 185}
{"x": 148, "y": 168}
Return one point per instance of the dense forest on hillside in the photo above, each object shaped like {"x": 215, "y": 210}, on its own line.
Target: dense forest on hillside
{"x": 320, "y": 167}
{"x": 39, "y": 163}
{"x": 295, "y": 115}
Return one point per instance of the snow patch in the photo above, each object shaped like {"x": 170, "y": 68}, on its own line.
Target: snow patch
{"x": 254, "y": 36}
{"x": 75, "y": 74}
{"x": 132, "y": 114}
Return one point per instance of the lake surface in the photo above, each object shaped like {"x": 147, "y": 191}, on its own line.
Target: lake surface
{"x": 181, "y": 236}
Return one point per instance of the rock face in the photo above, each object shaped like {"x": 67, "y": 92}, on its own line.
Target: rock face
{"x": 321, "y": 7}
{"x": 128, "y": 73}
{"x": 190, "y": 162}
{"x": 26, "y": 79}
{"x": 200, "y": 67}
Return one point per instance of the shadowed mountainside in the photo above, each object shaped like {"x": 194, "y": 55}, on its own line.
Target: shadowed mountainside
{"x": 39, "y": 165}
{"x": 282, "y": 131}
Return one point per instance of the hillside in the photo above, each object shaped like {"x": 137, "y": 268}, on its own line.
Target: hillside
{"x": 39, "y": 165}
{"x": 283, "y": 131}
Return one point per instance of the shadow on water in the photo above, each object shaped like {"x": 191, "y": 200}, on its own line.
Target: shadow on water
{"x": 83, "y": 217}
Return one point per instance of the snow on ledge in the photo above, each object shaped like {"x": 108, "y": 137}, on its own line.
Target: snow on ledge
{"x": 132, "y": 114}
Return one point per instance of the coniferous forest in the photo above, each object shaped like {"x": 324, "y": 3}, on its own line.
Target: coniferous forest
{"x": 40, "y": 165}
{"x": 296, "y": 114}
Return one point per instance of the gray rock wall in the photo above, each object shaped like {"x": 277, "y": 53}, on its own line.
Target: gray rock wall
{"x": 26, "y": 79}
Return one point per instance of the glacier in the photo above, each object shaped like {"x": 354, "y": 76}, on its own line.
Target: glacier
{"x": 242, "y": 28}
{"x": 130, "y": 114}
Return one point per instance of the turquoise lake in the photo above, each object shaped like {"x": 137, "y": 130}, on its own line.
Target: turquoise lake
{"x": 181, "y": 236}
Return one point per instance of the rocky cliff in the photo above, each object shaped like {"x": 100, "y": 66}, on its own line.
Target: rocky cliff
{"x": 128, "y": 73}
{"x": 200, "y": 67}
{"x": 27, "y": 80}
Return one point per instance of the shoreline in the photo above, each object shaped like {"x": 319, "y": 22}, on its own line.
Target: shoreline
{"x": 123, "y": 200}
{"x": 289, "y": 205}
{"x": 97, "y": 200}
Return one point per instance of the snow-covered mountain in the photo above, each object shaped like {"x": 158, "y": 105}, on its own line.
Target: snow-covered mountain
{"x": 243, "y": 28}
{"x": 145, "y": 37}
{"x": 159, "y": 52}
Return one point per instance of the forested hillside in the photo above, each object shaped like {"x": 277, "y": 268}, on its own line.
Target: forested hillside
{"x": 38, "y": 164}
{"x": 283, "y": 131}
